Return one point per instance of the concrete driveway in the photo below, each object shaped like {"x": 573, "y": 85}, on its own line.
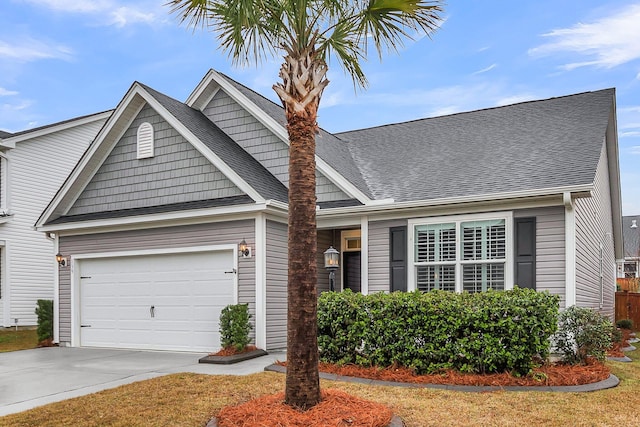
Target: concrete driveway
{"x": 31, "y": 378}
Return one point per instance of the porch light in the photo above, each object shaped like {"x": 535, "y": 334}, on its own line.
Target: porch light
{"x": 62, "y": 260}
{"x": 331, "y": 263}
{"x": 244, "y": 249}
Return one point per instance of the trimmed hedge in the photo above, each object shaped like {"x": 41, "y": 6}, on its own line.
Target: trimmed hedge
{"x": 495, "y": 331}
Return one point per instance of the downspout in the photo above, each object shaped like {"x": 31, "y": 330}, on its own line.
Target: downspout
{"x": 570, "y": 249}
{"x": 56, "y": 288}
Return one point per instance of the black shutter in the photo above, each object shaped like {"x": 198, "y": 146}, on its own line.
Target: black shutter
{"x": 525, "y": 256}
{"x": 398, "y": 258}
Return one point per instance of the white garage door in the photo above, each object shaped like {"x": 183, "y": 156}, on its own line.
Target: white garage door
{"x": 159, "y": 302}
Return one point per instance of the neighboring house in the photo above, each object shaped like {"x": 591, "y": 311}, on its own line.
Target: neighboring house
{"x": 151, "y": 219}
{"x": 33, "y": 166}
{"x": 629, "y": 267}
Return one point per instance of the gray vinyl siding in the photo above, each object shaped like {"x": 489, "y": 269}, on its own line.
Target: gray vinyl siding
{"x": 550, "y": 248}
{"x": 159, "y": 238}
{"x": 261, "y": 143}
{"x": 176, "y": 173}
{"x": 276, "y": 285}
{"x": 379, "y": 254}
{"x": 327, "y": 191}
{"x": 593, "y": 228}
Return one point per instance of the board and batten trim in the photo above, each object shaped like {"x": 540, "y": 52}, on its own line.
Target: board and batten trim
{"x": 261, "y": 280}
{"x": 570, "y": 250}
{"x": 76, "y": 268}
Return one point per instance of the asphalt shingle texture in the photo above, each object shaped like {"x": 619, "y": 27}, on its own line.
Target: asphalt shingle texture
{"x": 631, "y": 236}
{"x": 329, "y": 148}
{"x": 533, "y": 145}
{"x": 252, "y": 171}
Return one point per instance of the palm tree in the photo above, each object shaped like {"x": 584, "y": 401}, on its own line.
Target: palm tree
{"x": 308, "y": 33}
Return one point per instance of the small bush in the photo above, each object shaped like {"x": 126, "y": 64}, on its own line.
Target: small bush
{"x": 44, "y": 311}
{"x": 235, "y": 326}
{"x": 583, "y": 333}
{"x": 429, "y": 332}
{"x": 625, "y": 324}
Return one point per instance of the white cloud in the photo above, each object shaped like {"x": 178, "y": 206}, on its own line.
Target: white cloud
{"x": 515, "y": 99}
{"x": 27, "y": 50}
{"x": 127, "y": 15}
{"x": 635, "y": 149}
{"x": 5, "y": 92}
{"x": 109, "y": 12}
{"x": 638, "y": 76}
{"x": 611, "y": 41}
{"x": 484, "y": 70}
{"x": 633, "y": 133}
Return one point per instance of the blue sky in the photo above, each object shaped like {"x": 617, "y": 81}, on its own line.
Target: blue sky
{"x": 60, "y": 59}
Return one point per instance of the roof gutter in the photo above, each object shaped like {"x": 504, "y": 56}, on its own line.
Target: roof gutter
{"x": 562, "y": 192}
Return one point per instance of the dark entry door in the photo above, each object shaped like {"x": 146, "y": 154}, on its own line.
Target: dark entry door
{"x": 351, "y": 279}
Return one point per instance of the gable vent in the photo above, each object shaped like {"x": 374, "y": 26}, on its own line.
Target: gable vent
{"x": 145, "y": 141}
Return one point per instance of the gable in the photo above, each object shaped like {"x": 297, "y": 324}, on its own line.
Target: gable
{"x": 263, "y": 145}
{"x": 177, "y": 173}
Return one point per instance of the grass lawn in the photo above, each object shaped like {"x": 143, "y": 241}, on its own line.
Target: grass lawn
{"x": 190, "y": 400}
{"x": 12, "y": 340}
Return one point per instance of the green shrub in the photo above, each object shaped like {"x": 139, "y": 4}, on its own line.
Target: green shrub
{"x": 624, "y": 324}
{"x": 582, "y": 333}
{"x": 235, "y": 326}
{"x": 44, "y": 311}
{"x": 428, "y": 332}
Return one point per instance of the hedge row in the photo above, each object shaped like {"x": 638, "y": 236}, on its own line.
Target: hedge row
{"x": 429, "y": 332}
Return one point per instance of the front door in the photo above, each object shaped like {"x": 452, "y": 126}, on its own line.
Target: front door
{"x": 351, "y": 271}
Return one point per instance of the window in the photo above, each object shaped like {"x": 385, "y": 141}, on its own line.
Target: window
{"x": 462, "y": 254}
{"x": 145, "y": 140}
{"x": 630, "y": 270}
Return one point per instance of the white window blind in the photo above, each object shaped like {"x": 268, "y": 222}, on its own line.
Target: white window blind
{"x": 145, "y": 141}
{"x": 461, "y": 255}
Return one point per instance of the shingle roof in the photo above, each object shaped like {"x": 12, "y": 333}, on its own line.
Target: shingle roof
{"x": 4, "y": 134}
{"x": 631, "y": 236}
{"x": 252, "y": 171}
{"x": 173, "y": 207}
{"x": 533, "y": 145}
{"x": 22, "y": 132}
{"x": 329, "y": 148}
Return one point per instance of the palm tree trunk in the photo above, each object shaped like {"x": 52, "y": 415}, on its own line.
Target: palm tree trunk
{"x": 302, "y": 388}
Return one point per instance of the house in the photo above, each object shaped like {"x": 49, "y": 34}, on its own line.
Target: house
{"x": 150, "y": 222}
{"x": 33, "y": 165}
{"x": 628, "y": 268}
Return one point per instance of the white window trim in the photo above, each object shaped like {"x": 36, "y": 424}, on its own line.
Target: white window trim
{"x": 458, "y": 219}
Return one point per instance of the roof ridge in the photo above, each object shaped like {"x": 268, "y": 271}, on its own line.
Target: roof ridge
{"x": 531, "y": 101}
{"x": 61, "y": 122}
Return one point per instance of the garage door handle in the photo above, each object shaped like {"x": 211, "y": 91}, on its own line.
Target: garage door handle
{"x": 85, "y": 326}
{"x": 234, "y": 271}
{"x": 152, "y": 310}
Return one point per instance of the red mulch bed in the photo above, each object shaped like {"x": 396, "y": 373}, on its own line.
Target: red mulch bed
{"x": 549, "y": 375}
{"x": 337, "y": 408}
{"x": 231, "y": 351}
{"x": 616, "y": 349}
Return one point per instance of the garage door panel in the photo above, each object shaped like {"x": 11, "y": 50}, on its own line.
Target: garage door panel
{"x": 187, "y": 290}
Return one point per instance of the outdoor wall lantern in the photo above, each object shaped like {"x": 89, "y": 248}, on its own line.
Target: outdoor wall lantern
{"x": 62, "y": 260}
{"x": 244, "y": 249}
{"x": 331, "y": 263}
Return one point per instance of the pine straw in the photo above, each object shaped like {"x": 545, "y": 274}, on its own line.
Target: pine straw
{"x": 616, "y": 348}
{"x": 232, "y": 351}
{"x": 549, "y": 375}
{"x": 337, "y": 409}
